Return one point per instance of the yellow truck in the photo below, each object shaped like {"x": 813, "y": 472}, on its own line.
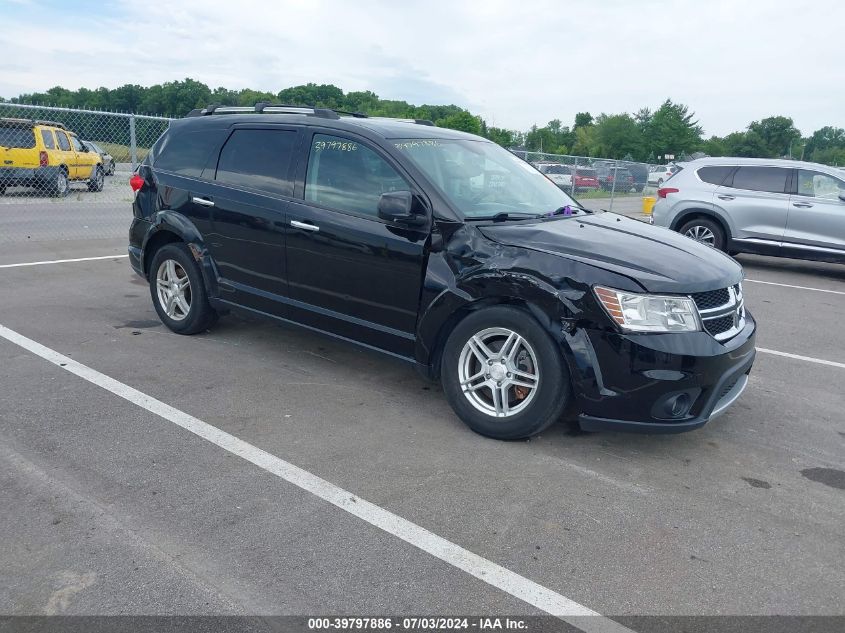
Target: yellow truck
{"x": 47, "y": 156}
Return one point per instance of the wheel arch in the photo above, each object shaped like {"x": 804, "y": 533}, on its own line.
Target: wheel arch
{"x": 432, "y": 337}
{"x": 168, "y": 227}
{"x": 697, "y": 212}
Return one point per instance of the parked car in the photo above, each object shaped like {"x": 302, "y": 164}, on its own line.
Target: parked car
{"x": 108, "y": 159}
{"x": 444, "y": 250}
{"x": 640, "y": 173}
{"x": 559, "y": 174}
{"x": 586, "y": 179}
{"x": 661, "y": 173}
{"x": 613, "y": 177}
{"x": 46, "y": 156}
{"x": 749, "y": 205}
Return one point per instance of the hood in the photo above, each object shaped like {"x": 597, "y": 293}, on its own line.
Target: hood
{"x": 658, "y": 259}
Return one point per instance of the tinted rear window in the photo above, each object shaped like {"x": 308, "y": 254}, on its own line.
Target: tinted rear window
{"x": 186, "y": 153}
{"x": 586, "y": 173}
{"x": 716, "y": 174}
{"x": 17, "y": 136}
{"x": 771, "y": 179}
{"x": 259, "y": 159}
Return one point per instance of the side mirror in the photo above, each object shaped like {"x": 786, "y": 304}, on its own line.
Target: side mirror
{"x": 401, "y": 207}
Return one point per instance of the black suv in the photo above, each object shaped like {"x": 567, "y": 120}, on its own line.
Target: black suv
{"x": 444, "y": 250}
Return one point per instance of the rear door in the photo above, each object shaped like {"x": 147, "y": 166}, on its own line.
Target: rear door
{"x": 66, "y": 155}
{"x": 249, "y": 199}
{"x": 816, "y": 212}
{"x": 757, "y": 203}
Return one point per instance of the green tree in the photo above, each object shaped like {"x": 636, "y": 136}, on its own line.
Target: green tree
{"x": 777, "y": 133}
{"x": 582, "y": 119}
{"x": 617, "y": 135}
{"x": 462, "y": 121}
{"x": 671, "y": 129}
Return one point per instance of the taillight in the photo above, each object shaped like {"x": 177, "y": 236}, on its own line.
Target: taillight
{"x": 43, "y": 159}
{"x": 664, "y": 191}
{"x": 136, "y": 182}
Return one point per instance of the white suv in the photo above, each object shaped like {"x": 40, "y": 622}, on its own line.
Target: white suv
{"x": 752, "y": 205}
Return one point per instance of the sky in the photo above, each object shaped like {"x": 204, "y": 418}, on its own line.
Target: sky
{"x": 514, "y": 62}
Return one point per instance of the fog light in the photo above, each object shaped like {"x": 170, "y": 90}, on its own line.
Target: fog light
{"x": 678, "y": 406}
{"x": 675, "y": 406}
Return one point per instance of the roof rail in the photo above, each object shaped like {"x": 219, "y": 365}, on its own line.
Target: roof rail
{"x": 417, "y": 121}
{"x": 263, "y": 107}
{"x": 51, "y": 123}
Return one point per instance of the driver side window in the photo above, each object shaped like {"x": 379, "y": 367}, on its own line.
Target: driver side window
{"x": 348, "y": 176}
{"x": 818, "y": 185}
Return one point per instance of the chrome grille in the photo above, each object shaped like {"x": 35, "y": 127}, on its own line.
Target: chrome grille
{"x": 722, "y": 311}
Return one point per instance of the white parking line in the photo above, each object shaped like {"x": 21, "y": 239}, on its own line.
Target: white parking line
{"x": 485, "y": 570}
{"x": 773, "y": 283}
{"x": 62, "y": 261}
{"x": 808, "y": 359}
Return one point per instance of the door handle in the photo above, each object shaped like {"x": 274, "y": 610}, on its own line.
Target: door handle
{"x": 802, "y": 205}
{"x": 304, "y": 225}
{"x": 204, "y": 202}
{"x": 725, "y": 197}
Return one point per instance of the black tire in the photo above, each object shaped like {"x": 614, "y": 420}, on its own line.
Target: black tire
{"x": 553, "y": 387}
{"x": 59, "y": 187}
{"x": 111, "y": 169}
{"x": 97, "y": 179}
{"x": 200, "y": 315}
{"x": 719, "y": 238}
{"x": 2, "y": 190}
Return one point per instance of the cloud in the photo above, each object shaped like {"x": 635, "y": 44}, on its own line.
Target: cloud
{"x": 514, "y": 63}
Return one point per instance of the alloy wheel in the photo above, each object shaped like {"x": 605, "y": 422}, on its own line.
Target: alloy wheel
{"x": 173, "y": 288}
{"x": 701, "y": 234}
{"x": 498, "y": 372}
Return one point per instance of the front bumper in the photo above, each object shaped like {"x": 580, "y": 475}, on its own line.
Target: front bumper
{"x": 629, "y": 382}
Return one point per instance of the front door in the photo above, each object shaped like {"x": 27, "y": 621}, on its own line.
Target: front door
{"x": 816, "y": 213}
{"x": 350, "y": 272}
{"x": 85, "y": 160}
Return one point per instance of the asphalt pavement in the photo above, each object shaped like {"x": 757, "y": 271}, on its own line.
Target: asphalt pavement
{"x": 112, "y": 508}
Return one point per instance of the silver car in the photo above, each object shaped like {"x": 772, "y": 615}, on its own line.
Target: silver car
{"x": 753, "y": 205}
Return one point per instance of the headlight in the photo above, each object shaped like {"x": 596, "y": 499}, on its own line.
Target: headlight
{"x": 649, "y": 313}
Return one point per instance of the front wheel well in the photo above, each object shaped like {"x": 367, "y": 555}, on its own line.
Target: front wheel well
{"x": 459, "y": 315}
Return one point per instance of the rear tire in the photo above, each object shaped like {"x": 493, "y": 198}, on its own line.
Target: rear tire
{"x": 178, "y": 290}
{"x": 706, "y": 231}
{"x": 515, "y": 347}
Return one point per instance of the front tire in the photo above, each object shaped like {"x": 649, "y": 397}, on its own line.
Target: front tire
{"x": 178, "y": 290}
{"x": 97, "y": 180}
{"x": 706, "y": 231}
{"x": 503, "y": 374}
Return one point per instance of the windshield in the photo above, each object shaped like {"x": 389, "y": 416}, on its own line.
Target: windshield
{"x": 482, "y": 179}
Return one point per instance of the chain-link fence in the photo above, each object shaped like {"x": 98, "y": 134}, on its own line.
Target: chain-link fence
{"x": 65, "y": 153}
{"x": 597, "y": 182}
